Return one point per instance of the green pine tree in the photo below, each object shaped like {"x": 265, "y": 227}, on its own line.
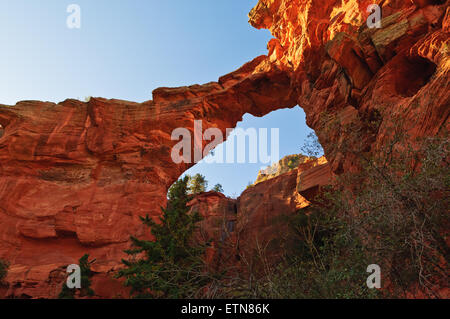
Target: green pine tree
{"x": 86, "y": 274}
{"x": 171, "y": 266}
{"x": 218, "y": 188}
{"x": 197, "y": 184}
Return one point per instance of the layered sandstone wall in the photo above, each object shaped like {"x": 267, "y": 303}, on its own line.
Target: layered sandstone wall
{"x": 355, "y": 83}
{"x": 284, "y": 165}
{"x": 242, "y": 231}
{"x": 75, "y": 176}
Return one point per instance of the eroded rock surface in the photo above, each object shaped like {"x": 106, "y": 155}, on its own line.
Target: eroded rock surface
{"x": 76, "y": 176}
{"x": 242, "y": 231}
{"x": 284, "y": 165}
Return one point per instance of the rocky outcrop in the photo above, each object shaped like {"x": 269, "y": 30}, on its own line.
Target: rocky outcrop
{"x": 219, "y": 214}
{"x": 284, "y": 165}
{"x": 263, "y": 210}
{"x": 261, "y": 220}
{"x": 355, "y": 83}
{"x": 76, "y": 176}
{"x": 312, "y": 176}
{"x": 243, "y": 230}
{"x": 311, "y": 172}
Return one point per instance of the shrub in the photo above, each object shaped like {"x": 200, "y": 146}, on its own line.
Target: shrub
{"x": 321, "y": 259}
{"x": 86, "y": 274}
{"x": 402, "y": 213}
{"x": 172, "y": 266}
{"x": 197, "y": 184}
{"x": 394, "y": 214}
{"x": 311, "y": 146}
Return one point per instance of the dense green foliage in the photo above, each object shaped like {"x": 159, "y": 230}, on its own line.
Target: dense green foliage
{"x": 393, "y": 214}
{"x": 322, "y": 259}
{"x": 172, "y": 265}
{"x": 86, "y": 274}
{"x": 401, "y": 204}
{"x": 218, "y": 188}
{"x": 197, "y": 184}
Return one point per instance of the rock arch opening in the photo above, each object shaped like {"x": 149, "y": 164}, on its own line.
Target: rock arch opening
{"x": 274, "y": 142}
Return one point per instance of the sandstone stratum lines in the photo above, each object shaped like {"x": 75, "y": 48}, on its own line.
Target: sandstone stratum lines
{"x": 76, "y": 176}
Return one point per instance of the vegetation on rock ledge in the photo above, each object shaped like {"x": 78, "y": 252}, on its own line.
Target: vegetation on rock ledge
{"x": 171, "y": 266}
{"x": 394, "y": 214}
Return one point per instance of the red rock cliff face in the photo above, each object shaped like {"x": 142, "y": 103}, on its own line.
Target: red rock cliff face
{"x": 347, "y": 75}
{"x": 75, "y": 177}
{"x": 253, "y": 226}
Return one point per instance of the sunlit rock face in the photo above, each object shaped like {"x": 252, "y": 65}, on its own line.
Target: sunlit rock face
{"x": 262, "y": 209}
{"x": 76, "y": 176}
{"x": 236, "y": 228}
{"x": 219, "y": 214}
{"x": 351, "y": 79}
{"x": 284, "y": 165}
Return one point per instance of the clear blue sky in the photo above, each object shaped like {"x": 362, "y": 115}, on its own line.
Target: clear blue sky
{"x": 127, "y": 48}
